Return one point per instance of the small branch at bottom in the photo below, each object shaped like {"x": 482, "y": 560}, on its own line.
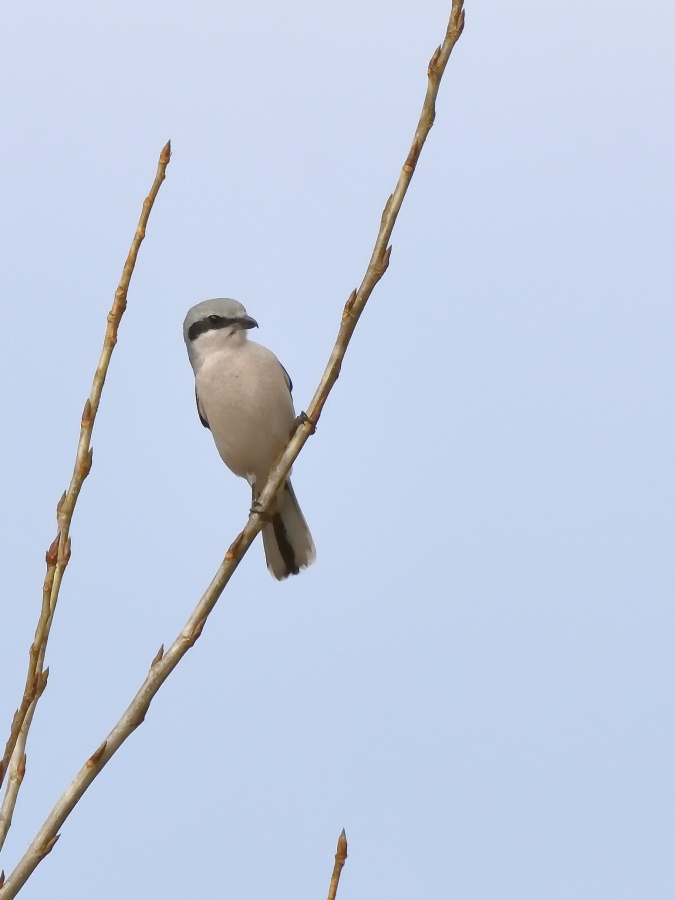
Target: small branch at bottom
{"x": 340, "y": 857}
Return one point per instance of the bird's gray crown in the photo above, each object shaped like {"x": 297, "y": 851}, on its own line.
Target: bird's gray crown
{"x": 216, "y": 313}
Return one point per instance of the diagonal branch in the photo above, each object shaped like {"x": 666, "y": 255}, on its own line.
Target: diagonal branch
{"x": 164, "y": 663}
{"x": 58, "y": 554}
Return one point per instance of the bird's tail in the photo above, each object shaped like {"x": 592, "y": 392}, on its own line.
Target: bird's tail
{"x": 288, "y": 544}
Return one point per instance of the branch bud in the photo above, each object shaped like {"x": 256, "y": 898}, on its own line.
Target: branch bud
{"x": 139, "y": 718}
{"x": 199, "y": 627}
{"x": 433, "y": 62}
{"x": 234, "y": 546}
{"x": 411, "y": 161}
{"x": 42, "y": 679}
{"x": 96, "y": 757}
{"x": 86, "y": 414}
{"x": 158, "y": 656}
{"x": 341, "y": 854}
{"x": 349, "y": 305}
{"x": 387, "y": 205}
{"x": 53, "y": 552}
{"x": 60, "y": 504}
{"x": 86, "y": 463}
{"x": 49, "y": 846}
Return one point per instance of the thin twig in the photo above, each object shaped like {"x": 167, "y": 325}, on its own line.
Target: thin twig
{"x": 59, "y": 552}
{"x": 164, "y": 664}
{"x": 17, "y": 769}
{"x": 340, "y": 857}
{"x": 32, "y": 679}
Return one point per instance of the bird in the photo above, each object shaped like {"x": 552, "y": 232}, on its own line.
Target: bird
{"x": 244, "y": 397}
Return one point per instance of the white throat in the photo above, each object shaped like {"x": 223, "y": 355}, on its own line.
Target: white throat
{"x": 218, "y": 340}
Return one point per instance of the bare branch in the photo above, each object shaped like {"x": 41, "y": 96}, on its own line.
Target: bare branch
{"x": 162, "y": 667}
{"x": 58, "y": 553}
{"x": 340, "y": 857}
{"x": 34, "y": 666}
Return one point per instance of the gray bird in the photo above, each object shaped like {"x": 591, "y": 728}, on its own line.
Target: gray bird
{"x": 244, "y": 398}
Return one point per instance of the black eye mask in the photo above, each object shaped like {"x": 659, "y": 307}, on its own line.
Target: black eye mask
{"x": 210, "y": 323}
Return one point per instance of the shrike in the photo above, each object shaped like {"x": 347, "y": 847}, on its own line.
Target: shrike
{"x": 244, "y": 398}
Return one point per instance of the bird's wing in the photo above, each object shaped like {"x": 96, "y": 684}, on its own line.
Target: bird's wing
{"x": 200, "y": 412}
{"x": 288, "y": 379}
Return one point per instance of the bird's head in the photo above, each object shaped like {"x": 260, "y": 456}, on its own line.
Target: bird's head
{"x": 214, "y": 325}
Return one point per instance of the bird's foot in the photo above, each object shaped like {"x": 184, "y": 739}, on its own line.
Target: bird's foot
{"x": 301, "y": 419}
{"x": 257, "y": 510}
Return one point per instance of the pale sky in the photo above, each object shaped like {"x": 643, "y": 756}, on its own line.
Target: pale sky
{"x": 475, "y": 679}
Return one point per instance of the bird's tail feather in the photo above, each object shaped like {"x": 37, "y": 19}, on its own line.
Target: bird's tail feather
{"x": 287, "y": 541}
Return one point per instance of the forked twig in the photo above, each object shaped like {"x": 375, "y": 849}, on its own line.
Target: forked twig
{"x": 340, "y": 857}
{"x": 14, "y": 757}
{"x": 164, "y": 664}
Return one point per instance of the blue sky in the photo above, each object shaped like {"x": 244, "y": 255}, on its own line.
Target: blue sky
{"x": 475, "y": 680}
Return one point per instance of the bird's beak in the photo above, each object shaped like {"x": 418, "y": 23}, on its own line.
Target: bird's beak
{"x": 247, "y": 322}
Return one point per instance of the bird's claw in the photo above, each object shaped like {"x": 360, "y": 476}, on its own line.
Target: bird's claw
{"x": 301, "y": 419}
{"x": 257, "y": 510}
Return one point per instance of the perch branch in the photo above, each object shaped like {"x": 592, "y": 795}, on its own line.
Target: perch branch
{"x": 340, "y": 857}
{"x": 164, "y": 664}
{"x": 59, "y": 552}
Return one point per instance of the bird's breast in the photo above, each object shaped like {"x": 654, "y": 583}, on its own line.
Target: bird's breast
{"x": 248, "y": 407}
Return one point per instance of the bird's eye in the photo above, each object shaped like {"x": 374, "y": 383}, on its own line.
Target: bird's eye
{"x": 213, "y": 319}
